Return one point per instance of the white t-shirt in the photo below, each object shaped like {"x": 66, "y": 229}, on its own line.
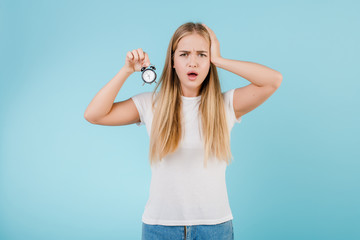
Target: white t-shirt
{"x": 182, "y": 191}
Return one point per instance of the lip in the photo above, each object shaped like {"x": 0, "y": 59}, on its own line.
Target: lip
{"x": 192, "y": 71}
{"x": 192, "y": 77}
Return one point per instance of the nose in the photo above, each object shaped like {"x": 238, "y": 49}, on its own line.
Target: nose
{"x": 192, "y": 61}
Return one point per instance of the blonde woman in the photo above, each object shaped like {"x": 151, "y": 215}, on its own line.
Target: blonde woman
{"x": 189, "y": 121}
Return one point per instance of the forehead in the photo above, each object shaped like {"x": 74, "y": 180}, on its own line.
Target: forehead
{"x": 193, "y": 42}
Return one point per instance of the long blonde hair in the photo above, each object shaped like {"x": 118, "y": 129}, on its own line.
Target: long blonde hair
{"x": 166, "y": 129}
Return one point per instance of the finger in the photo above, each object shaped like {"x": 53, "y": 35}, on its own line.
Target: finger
{"x": 130, "y": 56}
{"x": 205, "y": 26}
{"x": 209, "y": 30}
{"x": 136, "y": 55}
{"x": 141, "y": 54}
{"x": 146, "y": 61}
{"x": 211, "y": 33}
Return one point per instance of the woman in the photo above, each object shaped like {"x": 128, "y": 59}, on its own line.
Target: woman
{"x": 189, "y": 121}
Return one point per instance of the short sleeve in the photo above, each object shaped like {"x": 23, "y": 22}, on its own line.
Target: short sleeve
{"x": 228, "y": 100}
{"x": 143, "y": 104}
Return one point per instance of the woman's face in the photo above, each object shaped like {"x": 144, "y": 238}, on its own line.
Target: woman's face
{"x": 192, "y": 55}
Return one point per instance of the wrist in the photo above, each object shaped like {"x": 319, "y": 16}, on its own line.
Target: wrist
{"x": 216, "y": 61}
{"x": 128, "y": 70}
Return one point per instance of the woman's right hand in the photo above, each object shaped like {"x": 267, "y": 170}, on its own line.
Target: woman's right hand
{"x": 136, "y": 59}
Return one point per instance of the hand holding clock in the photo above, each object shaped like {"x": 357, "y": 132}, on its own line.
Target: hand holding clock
{"x": 136, "y": 59}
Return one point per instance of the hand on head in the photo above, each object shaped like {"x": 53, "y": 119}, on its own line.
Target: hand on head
{"x": 215, "y": 45}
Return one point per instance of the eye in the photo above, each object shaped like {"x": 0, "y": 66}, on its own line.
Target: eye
{"x": 201, "y": 54}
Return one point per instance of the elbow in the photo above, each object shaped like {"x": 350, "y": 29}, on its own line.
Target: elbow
{"x": 278, "y": 80}
{"x": 87, "y": 118}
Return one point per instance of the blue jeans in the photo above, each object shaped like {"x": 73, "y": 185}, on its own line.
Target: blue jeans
{"x": 221, "y": 231}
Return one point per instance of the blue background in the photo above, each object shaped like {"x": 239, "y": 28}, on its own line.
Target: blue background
{"x": 295, "y": 173}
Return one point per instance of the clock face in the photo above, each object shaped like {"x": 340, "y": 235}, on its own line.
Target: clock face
{"x": 148, "y": 76}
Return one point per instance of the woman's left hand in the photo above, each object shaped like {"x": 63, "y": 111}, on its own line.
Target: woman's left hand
{"x": 215, "y": 45}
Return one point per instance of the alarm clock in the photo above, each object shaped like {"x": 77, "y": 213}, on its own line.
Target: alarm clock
{"x": 148, "y": 74}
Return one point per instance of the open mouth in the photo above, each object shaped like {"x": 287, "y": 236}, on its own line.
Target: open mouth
{"x": 192, "y": 76}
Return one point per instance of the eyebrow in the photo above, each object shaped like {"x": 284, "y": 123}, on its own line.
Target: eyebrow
{"x": 200, "y": 51}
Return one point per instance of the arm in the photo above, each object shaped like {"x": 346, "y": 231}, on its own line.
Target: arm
{"x": 257, "y": 74}
{"x": 102, "y": 110}
{"x": 103, "y": 101}
{"x": 264, "y": 81}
